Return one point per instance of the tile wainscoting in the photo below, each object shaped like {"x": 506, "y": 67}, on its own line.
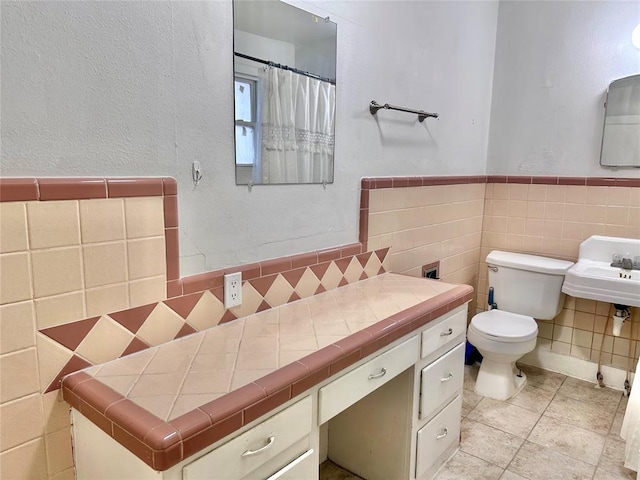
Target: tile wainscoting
{"x": 89, "y": 273}
{"x": 425, "y": 219}
{"x": 82, "y": 242}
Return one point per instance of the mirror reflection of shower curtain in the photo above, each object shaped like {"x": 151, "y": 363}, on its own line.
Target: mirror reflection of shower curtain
{"x": 297, "y": 128}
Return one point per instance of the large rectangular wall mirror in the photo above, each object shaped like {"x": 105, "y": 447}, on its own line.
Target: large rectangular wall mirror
{"x": 621, "y": 134}
{"x": 284, "y": 93}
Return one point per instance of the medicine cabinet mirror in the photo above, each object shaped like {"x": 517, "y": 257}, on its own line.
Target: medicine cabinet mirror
{"x": 284, "y": 93}
{"x": 621, "y": 134}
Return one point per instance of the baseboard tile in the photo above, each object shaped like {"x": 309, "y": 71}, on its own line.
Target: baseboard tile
{"x": 576, "y": 367}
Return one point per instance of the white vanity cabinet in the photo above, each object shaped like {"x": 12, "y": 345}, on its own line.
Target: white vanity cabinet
{"x": 393, "y": 415}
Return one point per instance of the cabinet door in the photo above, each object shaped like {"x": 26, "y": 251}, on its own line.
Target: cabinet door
{"x": 441, "y": 381}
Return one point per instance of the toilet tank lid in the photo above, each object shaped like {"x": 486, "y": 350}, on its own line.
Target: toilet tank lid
{"x": 533, "y": 263}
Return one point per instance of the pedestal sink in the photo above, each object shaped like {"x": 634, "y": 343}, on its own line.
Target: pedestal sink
{"x": 593, "y": 277}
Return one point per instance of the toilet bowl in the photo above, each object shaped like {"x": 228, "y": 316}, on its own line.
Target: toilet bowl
{"x": 524, "y": 287}
{"x": 502, "y": 338}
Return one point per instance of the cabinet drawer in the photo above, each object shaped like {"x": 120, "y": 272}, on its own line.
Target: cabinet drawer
{"x": 348, "y": 389}
{"x": 448, "y": 331}
{"x": 441, "y": 380}
{"x": 438, "y": 435}
{"x": 305, "y": 467}
{"x": 255, "y": 447}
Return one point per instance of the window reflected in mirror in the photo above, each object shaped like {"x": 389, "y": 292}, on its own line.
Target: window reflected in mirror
{"x": 284, "y": 94}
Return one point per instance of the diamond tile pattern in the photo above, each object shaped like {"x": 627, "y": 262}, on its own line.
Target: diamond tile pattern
{"x": 105, "y": 338}
{"x": 172, "y": 376}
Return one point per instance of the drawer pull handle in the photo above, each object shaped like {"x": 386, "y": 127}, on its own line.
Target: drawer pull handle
{"x": 447, "y": 378}
{"x": 442, "y": 435}
{"x": 380, "y": 374}
{"x": 447, "y": 333}
{"x": 250, "y": 453}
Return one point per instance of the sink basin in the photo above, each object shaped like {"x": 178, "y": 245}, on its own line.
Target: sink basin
{"x": 594, "y": 278}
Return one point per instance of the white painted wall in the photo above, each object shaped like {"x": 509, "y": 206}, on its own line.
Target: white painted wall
{"x": 145, "y": 88}
{"x": 554, "y": 61}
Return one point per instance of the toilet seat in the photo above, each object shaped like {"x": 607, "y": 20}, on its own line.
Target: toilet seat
{"x": 501, "y": 326}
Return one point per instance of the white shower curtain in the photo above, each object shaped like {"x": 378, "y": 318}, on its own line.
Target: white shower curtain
{"x": 297, "y": 128}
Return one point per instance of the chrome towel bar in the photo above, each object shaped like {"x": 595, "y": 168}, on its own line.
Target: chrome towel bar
{"x": 375, "y": 106}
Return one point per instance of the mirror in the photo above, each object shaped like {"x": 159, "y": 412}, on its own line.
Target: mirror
{"x": 284, "y": 93}
{"x": 621, "y": 135}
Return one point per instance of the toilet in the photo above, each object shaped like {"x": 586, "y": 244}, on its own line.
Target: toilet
{"x": 524, "y": 287}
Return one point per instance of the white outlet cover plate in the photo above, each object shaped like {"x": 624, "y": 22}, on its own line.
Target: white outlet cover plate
{"x": 232, "y": 289}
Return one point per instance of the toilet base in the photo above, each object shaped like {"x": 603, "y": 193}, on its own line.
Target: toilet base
{"x": 499, "y": 381}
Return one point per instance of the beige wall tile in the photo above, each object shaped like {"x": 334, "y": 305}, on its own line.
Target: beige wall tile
{"x": 59, "y": 455}
{"x": 111, "y": 298}
{"x": 21, "y": 421}
{"x": 144, "y": 216}
{"x": 621, "y": 346}
{"x": 580, "y": 352}
{"x": 582, "y": 338}
{"x": 584, "y": 321}
{"x": 56, "y": 271}
{"x": 146, "y": 258}
{"x": 68, "y": 474}
{"x": 617, "y": 215}
{"x": 562, "y": 334}
{"x": 556, "y": 194}
{"x": 576, "y": 194}
{"x": 17, "y": 326}
{"x": 13, "y": 234}
{"x": 574, "y": 212}
{"x": 162, "y": 325}
{"x": 619, "y": 196}
{"x": 18, "y": 374}
{"x": 597, "y": 195}
{"x": 58, "y": 310}
{"x": 106, "y": 341}
{"x": 104, "y": 264}
{"x": 561, "y": 348}
{"x": 51, "y": 358}
{"x": 53, "y": 224}
{"x": 56, "y": 411}
{"x": 102, "y": 220}
{"x": 15, "y": 277}
{"x": 148, "y": 290}
{"x": 28, "y": 461}
{"x": 537, "y": 193}
{"x": 545, "y": 329}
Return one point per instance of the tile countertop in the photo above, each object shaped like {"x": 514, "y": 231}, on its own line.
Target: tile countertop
{"x": 168, "y": 402}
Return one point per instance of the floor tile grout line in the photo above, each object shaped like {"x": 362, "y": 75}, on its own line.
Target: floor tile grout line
{"x": 541, "y": 414}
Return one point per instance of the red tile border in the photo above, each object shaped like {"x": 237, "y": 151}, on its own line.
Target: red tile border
{"x": 171, "y": 211}
{"x": 71, "y": 188}
{"x": 264, "y": 406}
{"x": 170, "y": 186}
{"x": 627, "y": 182}
{"x": 18, "y": 189}
{"x": 172, "y": 253}
{"x": 601, "y": 182}
{"x": 135, "y": 187}
{"x": 162, "y": 445}
{"x": 372, "y": 183}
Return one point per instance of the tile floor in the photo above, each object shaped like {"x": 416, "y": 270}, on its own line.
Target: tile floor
{"x": 557, "y": 428}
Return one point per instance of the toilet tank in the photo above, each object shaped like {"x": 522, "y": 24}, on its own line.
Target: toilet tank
{"x": 527, "y": 284}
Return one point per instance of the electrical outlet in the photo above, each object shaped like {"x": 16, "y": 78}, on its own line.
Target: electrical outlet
{"x": 232, "y": 289}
